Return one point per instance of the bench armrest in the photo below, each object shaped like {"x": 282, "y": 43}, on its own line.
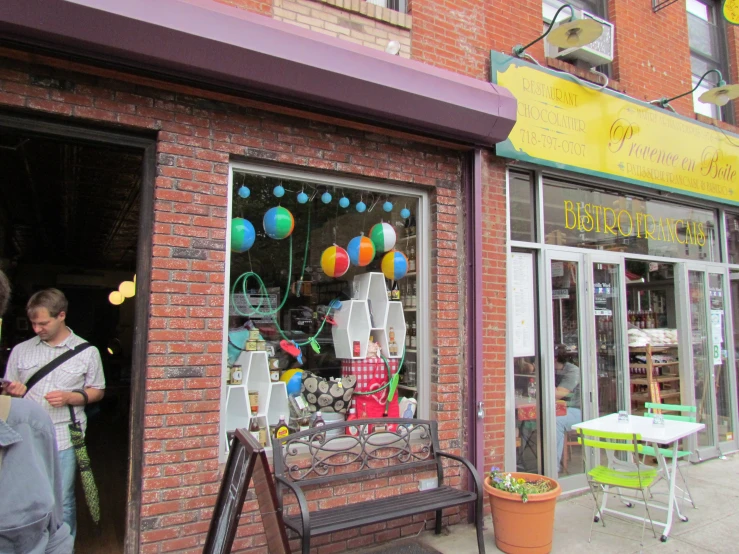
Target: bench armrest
{"x": 302, "y": 502}
{"x": 468, "y": 465}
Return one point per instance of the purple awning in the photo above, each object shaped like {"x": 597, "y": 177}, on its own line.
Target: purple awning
{"x": 215, "y": 45}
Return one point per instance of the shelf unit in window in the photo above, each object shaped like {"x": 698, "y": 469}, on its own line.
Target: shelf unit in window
{"x": 654, "y": 381}
{"x": 272, "y": 395}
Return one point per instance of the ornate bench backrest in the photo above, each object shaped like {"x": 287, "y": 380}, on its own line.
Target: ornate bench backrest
{"x": 347, "y": 450}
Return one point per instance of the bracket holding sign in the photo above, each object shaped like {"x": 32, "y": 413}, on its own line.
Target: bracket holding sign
{"x": 658, "y": 5}
{"x": 247, "y": 460}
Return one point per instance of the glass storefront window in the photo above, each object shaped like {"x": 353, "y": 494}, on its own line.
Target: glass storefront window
{"x": 588, "y": 218}
{"x": 522, "y": 206}
{"x": 732, "y": 238}
{"x": 297, "y": 247}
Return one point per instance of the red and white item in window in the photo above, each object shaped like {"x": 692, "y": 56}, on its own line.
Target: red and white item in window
{"x": 368, "y": 369}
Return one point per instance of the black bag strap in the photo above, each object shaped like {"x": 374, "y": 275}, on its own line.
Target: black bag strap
{"x": 53, "y": 364}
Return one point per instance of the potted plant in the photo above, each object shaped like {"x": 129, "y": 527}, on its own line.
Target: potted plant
{"x": 523, "y": 510}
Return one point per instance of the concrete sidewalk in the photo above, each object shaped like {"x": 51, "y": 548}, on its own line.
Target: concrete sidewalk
{"x": 713, "y": 526}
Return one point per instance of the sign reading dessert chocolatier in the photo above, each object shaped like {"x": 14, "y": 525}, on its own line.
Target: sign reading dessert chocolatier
{"x": 566, "y": 124}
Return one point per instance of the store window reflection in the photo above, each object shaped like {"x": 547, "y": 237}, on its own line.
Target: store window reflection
{"x": 521, "y": 207}
{"x": 526, "y": 362}
{"x": 567, "y": 372}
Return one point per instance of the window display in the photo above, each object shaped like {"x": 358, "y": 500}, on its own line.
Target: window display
{"x": 322, "y": 283}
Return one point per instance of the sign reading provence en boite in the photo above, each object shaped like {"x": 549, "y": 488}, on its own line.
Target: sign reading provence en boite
{"x": 565, "y": 124}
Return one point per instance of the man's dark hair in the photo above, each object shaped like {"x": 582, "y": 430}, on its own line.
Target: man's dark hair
{"x": 4, "y": 293}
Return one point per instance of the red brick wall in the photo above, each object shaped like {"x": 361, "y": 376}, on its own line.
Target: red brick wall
{"x": 494, "y": 205}
{"x": 458, "y": 36}
{"x": 652, "y": 51}
{"x": 196, "y": 138}
{"x": 263, "y": 7}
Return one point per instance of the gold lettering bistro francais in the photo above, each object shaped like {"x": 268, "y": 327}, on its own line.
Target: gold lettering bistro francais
{"x": 608, "y": 221}
{"x": 565, "y": 124}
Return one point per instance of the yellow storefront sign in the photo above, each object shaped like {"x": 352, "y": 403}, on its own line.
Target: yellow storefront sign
{"x": 565, "y": 124}
{"x": 730, "y": 9}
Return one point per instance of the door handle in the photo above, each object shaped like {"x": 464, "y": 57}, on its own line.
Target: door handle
{"x": 480, "y": 411}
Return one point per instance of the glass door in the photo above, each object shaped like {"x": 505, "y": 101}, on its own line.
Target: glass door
{"x": 563, "y": 382}
{"x": 607, "y": 300}
{"x": 707, "y": 348}
{"x": 720, "y": 358}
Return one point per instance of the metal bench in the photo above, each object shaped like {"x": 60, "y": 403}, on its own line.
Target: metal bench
{"x": 330, "y": 455}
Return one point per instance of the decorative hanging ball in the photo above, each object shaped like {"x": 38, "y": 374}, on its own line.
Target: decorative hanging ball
{"x": 278, "y": 223}
{"x": 302, "y": 197}
{"x": 361, "y": 251}
{"x": 279, "y": 191}
{"x": 405, "y": 213}
{"x": 361, "y": 206}
{"x": 242, "y": 234}
{"x": 383, "y": 236}
{"x": 394, "y": 265}
{"x": 244, "y": 191}
{"x": 388, "y": 206}
{"x": 326, "y": 197}
{"x": 335, "y": 261}
{"x": 344, "y": 202}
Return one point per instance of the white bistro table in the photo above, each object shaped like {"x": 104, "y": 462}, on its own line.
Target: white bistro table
{"x": 657, "y": 435}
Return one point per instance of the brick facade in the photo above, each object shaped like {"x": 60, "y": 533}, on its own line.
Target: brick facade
{"x": 183, "y": 373}
{"x": 199, "y": 133}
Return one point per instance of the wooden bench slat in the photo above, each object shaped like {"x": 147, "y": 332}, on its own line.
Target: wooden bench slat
{"x": 383, "y": 509}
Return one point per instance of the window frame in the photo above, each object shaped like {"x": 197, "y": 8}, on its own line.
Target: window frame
{"x": 424, "y": 356}
{"x": 725, "y": 113}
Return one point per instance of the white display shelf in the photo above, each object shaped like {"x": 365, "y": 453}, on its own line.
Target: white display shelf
{"x": 278, "y": 404}
{"x": 272, "y": 395}
{"x": 395, "y": 320}
{"x": 352, "y": 324}
{"x": 353, "y": 319}
{"x": 257, "y": 378}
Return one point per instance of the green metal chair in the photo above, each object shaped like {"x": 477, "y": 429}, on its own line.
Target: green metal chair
{"x": 667, "y": 452}
{"x": 604, "y": 477}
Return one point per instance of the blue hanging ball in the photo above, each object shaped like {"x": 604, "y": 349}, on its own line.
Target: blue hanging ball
{"x": 344, "y": 202}
{"x": 279, "y": 191}
{"x": 244, "y": 191}
{"x": 326, "y": 197}
{"x": 388, "y": 206}
{"x": 302, "y": 198}
{"x": 361, "y": 206}
{"x": 405, "y": 213}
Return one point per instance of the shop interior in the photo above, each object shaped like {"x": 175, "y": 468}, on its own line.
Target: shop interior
{"x": 69, "y": 218}
{"x": 284, "y": 286}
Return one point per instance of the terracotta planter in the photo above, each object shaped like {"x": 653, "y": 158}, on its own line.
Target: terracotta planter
{"x": 523, "y": 527}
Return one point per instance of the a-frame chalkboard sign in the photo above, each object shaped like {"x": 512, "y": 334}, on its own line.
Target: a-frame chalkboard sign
{"x": 247, "y": 461}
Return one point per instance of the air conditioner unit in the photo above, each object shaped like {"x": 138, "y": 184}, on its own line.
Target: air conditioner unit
{"x": 596, "y": 53}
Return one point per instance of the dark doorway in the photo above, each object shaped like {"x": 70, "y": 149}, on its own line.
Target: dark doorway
{"x": 70, "y": 218}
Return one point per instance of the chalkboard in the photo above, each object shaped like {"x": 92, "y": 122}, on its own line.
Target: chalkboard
{"x": 246, "y": 458}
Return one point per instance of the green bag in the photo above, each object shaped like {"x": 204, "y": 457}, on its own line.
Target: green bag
{"x": 83, "y": 463}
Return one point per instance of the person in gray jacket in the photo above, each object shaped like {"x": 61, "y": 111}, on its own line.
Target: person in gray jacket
{"x": 30, "y": 479}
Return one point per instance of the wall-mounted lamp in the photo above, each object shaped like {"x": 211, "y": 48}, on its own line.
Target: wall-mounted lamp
{"x": 393, "y": 48}
{"x": 573, "y": 34}
{"x": 720, "y": 95}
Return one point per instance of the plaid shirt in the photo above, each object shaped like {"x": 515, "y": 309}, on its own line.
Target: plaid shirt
{"x": 85, "y": 370}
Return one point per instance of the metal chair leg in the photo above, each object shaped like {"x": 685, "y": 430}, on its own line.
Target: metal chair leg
{"x": 478, "y": 525}
{"x": 595, "y": 518}
{"x": 685, "y": 482}
{"x": 437, "y": 529}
